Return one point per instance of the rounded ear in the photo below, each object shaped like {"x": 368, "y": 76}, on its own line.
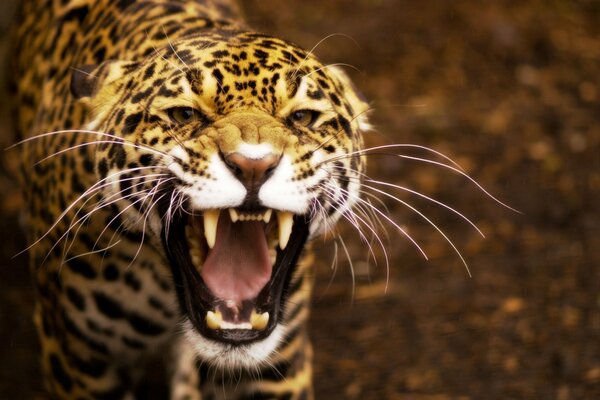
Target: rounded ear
{"x": 87, "y": 80}
{"x": 357, "y": 100}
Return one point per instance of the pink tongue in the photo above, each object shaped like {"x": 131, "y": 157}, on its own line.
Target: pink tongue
{"x": 238, "y": 266}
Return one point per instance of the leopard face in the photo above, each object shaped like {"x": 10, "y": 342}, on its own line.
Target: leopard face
{"x": 227, "y": 153}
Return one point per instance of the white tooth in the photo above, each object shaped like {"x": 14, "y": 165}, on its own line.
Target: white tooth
{"x": 259, "y": 321}
{"x": 286, "y": 222}
{"x": 267, "y": 215}
{"x": 214, "y": 319}
{"x": 195, "y": 260}
{"x": 211, "y": 219}
{"x": 233, "y": 214}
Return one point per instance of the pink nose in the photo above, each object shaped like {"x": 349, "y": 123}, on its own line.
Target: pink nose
{"x": 252, "y": 172}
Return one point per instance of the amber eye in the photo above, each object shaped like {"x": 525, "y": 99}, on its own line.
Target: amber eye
{"x": 304, "y": 117}
{"x": 185, "y": 115}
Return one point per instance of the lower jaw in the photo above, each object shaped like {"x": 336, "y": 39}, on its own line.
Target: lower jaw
{"x": 225, "y": 356}
{"x": 196, "y": 300}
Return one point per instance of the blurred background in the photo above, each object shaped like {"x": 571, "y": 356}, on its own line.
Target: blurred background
{"x": 510, "y": 91}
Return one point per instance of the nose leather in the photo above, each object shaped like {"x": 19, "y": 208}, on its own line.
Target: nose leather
{"x": 251, "y": 172}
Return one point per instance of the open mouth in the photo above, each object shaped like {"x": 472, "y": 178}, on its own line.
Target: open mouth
{"x": 232, "y": 269}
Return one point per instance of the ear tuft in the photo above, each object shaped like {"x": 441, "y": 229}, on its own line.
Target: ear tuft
{"x": 83, "y": 81}
{"x": 357, "y": 100}
{"x": 87, "y": 80}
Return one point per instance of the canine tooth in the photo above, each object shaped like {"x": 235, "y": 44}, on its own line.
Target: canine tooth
{"x": 214, "y": 319}
{"x": 286, "y": 222}
{"x": 259, "y": 321}
{"x": 233, "y": 214}
{"x": 196, "y": 261}
{"x": 211, "y": 218}
{"x": 267, "y": 215}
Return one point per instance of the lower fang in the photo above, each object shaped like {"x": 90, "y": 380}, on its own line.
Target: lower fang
{"x": 214, "y": 320}
{"x": 259, "y": 321}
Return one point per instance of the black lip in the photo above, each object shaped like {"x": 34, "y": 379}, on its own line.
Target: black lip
{"x": 196, "y": 300}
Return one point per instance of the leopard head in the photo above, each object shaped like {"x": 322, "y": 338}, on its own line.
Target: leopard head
{"x": 228, "y": 153}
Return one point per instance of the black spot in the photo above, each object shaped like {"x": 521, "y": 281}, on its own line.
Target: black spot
{"x": 220, "y": 53}
{"x": 92, "y": 367}
{"x": 132, "y": 122}
{"x": 146, "y": 159}
{"x": 119, "y": 157}
{"x": 78, "y": 13}
{"x": 345, "y": 126}
{"x": 88, "y": 165}
{"x": 108, "y": 306}
{"x": 329, "y": 148}
{"x": 100, "y": 54}
{"x": 123, "y": 4}
{"x": 59, "y": 373}
{"x": 132, "y": 281}
{"x": 166, "y": 92}
{"x": 111, "y": 273}
{"x": 76, "y": 298}
{"x": 335, "y": 99}
{"x": 133, "y": 343}
{"x": 82, "y": 268}
{"x": 149, "y": 72}
{"x": 76, "y": 185}
{"x": 261, "y": 54}
{"x": 142, "y": 95}
{"x": 145, "y": 326}
{"x": 218, "y": 76}
{"x": 155, "y": 303}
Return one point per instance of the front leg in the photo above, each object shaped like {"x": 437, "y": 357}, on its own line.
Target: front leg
{"x": 99, "y": 318}
{"x": 75, "y": 365}
{"x": 288, "y": 375}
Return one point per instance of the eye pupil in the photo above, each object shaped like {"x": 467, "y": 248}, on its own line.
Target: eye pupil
{"x": 182, "y": 115}
{"x": 298, "y": 115}
{"x": 304, "y": 118}
{"x": 186, "y": 114}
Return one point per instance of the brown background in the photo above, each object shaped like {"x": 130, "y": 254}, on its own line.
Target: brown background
{"x": 510, "y": 90}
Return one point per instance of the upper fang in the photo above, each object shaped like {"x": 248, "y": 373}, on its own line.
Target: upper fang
{"x": 211, "y": 218}
{"x": 286, "y": 222}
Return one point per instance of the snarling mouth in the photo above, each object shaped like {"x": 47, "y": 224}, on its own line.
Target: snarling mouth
{"x": 232, "y": 269}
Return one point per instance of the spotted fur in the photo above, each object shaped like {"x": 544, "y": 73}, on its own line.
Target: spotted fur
{"x": 97, "y": 82}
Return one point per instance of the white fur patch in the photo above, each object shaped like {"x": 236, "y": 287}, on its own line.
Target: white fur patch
{"x": 254, "y": 151}
{"x": 221, "y": 190}
{"x": 226, "y": 355}
{"x": 281, "y": 193}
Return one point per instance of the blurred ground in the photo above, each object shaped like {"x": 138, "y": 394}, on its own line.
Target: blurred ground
{"x": 510, "y": 91}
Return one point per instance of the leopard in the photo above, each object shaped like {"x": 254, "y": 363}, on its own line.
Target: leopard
{"x": 178, "y": 166}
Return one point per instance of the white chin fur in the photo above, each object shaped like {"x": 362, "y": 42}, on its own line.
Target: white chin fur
{"x": 227, "y": 356}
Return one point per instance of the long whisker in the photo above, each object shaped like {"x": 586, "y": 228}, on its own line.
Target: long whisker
{"x": 390, "y": 221}
{"x": 367, "y": 150}
{"x": 106, "y": 202}
{"x": 94, "y": 188}
{"x": 429, "y": 221}
{"x": 85, "y": 132}
{"x": 399, "y": 187}
{"x": 96, "y": 142}
{"x": 375, "y": 235}
{"x": 310, "y": 52}
{"x": 464, "y": 175}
